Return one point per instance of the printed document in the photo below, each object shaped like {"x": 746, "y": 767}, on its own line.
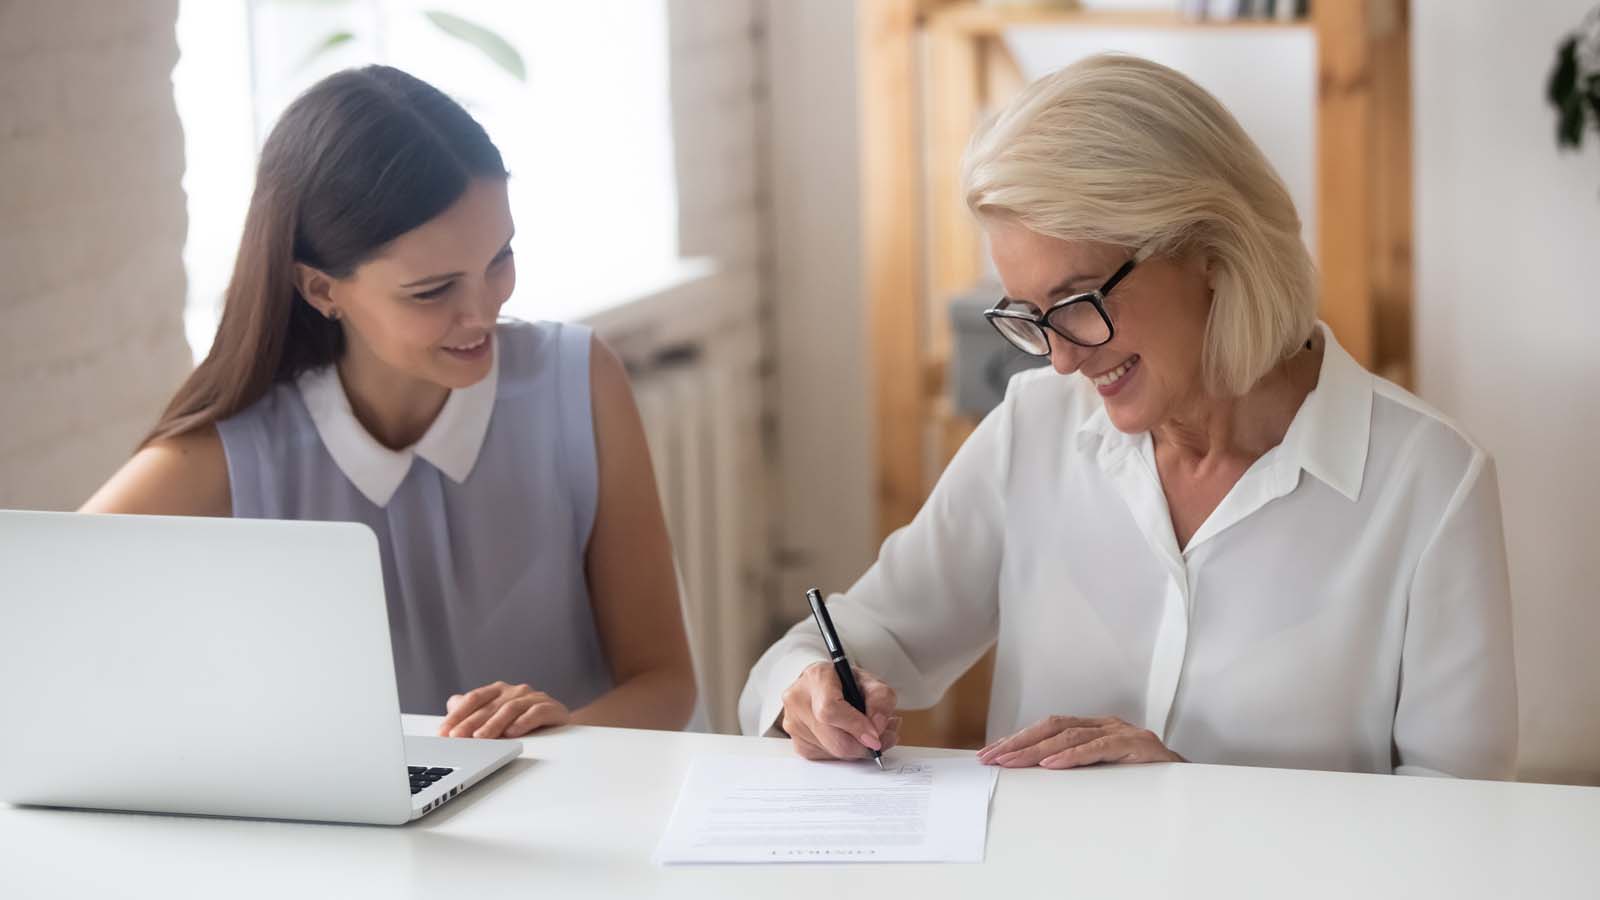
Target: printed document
{"x": 743, "y": 809}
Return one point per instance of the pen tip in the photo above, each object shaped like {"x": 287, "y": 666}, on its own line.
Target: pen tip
{"x": 879, "y": 760}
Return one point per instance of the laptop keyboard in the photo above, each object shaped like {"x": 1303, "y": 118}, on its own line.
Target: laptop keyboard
{"x": 423, "y": 777}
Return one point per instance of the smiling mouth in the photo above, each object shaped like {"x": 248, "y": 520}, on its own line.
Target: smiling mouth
{"x": 1109, "y": 378}
{"x": 468, "y": 348}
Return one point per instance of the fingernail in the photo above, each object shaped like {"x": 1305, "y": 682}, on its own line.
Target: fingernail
{"x": 871, "y": 740}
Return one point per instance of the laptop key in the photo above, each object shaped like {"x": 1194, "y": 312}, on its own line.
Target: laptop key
{"x": 440, "y": 771}
{"x": 415, "y": 770}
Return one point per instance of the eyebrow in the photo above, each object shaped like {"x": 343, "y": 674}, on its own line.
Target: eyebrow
{"x": 1060, "y": 289}
{"x": 1069, "y": 281}
{"x": 448, "y": 275}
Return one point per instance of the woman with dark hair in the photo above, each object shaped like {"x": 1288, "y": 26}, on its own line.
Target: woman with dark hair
{"x": 361, "y": 373}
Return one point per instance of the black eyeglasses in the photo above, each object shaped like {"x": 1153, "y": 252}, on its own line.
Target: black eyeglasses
{"x": 1079, "y": 318}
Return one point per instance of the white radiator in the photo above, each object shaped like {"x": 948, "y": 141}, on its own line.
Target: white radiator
{"x": 702, "y": 404}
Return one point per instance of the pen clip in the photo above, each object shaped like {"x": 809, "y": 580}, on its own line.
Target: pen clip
{"x": 819, "y": 611}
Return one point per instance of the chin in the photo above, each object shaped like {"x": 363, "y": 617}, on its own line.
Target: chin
{"x": 455, "y": 376}
{"x": 1128, "y": 418}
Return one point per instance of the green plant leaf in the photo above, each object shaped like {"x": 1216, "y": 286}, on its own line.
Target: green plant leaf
{"x": 1594, "y": 102}
{"x": 1569, "y": 132}
{"x": 490, "y": 44}
{"x": 1564, "y": 77}
{"x": 336, "y": 39}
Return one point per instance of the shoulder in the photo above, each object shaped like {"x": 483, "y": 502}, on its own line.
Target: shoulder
{"x": 614, "y": 410}
{"x": 1414, "y": 435}
{"x": 1042, "y": 402}
{"x": 1071, "y": 395}
{"x": 201, "y": 447}
{"x": 608, "y": 376}
{"x": 528, "y": 349}
{"x": 271, "y": 412}
{"x": 1039, "y": 418}
{"x": 185, "y": 474}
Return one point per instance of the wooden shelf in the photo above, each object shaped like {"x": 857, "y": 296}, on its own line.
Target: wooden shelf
{"x": 990, "y": 21}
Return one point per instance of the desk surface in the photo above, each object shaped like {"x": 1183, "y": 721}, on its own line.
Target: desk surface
{"x": 580, "y": 814}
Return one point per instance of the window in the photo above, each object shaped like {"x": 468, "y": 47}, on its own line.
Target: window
{"x": 587, "y": 136}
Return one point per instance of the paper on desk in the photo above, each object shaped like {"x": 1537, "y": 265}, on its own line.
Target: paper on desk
{"x": 742, "y": 809}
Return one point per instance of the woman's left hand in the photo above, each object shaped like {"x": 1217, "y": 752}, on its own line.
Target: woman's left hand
{"x": 501, "y": 710}
{"x": 1063, "y": 742}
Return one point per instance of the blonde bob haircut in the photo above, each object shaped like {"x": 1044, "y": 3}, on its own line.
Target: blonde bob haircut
{"x": 1122, "y": 150}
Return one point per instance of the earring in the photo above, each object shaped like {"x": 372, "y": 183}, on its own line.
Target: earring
{"x": 333, "y": 315}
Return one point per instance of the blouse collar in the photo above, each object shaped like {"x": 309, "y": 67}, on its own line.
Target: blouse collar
{"x": 451, "y": 444}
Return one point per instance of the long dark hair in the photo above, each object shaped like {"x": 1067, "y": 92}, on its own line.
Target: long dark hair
{"x": 362, "y": 157}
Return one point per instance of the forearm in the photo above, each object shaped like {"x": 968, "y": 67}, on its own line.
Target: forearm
{"x": 657, "y": 698}
{"x": 929, "y": 607}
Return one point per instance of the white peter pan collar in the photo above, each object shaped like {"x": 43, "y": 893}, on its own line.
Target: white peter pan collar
{"x": 451, "y": 443}
{"x": 1328, "y": 437}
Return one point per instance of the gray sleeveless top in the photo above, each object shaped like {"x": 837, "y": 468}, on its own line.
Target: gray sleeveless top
{"x": 482, "y": 525}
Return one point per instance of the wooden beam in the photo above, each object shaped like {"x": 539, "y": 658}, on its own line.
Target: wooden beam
{"x": 1391, "y": 252}
{"x": 951, "y": 110}
{"x": 1345, "y": 174}
{"x": 891, "y": 217}
{"x": 992, "y": 21}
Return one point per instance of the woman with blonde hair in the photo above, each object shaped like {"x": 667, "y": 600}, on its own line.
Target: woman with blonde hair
{"x": 1204, "y": 532}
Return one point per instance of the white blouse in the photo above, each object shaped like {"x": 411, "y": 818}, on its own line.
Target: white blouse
{"x": 1345, "y": 607}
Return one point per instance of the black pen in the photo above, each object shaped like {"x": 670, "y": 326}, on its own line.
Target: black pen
{"x": 841, "y": 665}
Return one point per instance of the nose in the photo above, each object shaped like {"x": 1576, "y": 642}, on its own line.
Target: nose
{"x": 482, "y": 309}
{"x": 1065, "y": 356}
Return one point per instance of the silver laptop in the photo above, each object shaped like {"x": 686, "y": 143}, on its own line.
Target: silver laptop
{"x": 227, "y": 667}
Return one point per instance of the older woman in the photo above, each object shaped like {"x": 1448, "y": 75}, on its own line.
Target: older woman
{"x": 1224, "y": 541}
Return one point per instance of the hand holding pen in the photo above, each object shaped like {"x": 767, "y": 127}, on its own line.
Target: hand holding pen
{"x": 818, "y": 712}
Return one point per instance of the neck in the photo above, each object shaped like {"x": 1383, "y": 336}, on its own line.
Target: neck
{"x": 396, "y": 409}
{"x": 1209, "y": 428}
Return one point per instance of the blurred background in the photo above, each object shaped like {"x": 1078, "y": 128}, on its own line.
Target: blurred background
{"x": 756, "y": 203}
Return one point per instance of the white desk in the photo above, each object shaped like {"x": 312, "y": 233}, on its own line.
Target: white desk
{"x": 580, "y": 814}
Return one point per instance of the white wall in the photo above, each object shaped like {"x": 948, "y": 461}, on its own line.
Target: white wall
{"x": 91, "y": 241}
{"x": 1508, "y": 329}
{"x": 1266, "y": 77}
{"x": 827, "y": 516}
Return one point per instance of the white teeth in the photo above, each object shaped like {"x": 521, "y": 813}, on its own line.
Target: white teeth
{"x": 1112, "y": 376}
{"x": 472, "y": 346}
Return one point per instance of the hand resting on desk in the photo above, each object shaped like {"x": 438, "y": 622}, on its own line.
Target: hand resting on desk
{"x": 501, "y": 710}
{"x": 1064, "y": 742}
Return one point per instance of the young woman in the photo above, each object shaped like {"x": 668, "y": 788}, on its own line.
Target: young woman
{"x": 361, "y": 373}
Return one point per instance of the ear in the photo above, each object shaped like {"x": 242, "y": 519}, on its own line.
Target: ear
{"x": 317, "y": 289}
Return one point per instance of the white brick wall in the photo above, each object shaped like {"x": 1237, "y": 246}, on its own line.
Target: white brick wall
{"x": 764, "y": 96}
{"x": 91, "y": 239}
{"x": 719, "y": 119}
{"x": 824, "y": 391}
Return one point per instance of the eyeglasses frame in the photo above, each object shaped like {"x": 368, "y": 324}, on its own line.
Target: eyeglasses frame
{"x": 1041, "y": 320}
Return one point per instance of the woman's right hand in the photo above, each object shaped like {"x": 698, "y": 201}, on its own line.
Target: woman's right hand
{"x": 824, "y": 726}
{"x": 501, "y": 710}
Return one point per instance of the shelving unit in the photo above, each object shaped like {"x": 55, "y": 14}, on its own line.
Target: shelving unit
{"x": 932, "y": 69}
